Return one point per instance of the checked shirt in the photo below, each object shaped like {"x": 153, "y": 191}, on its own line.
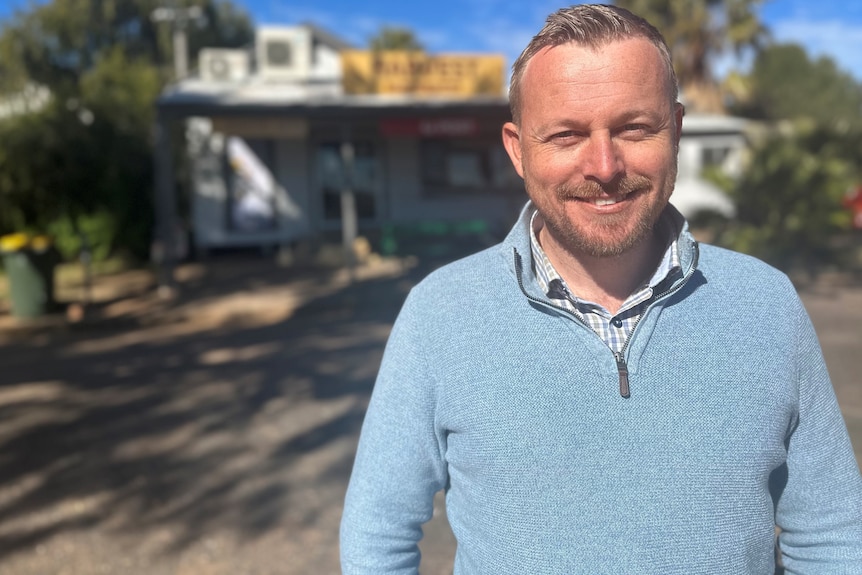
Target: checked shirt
{"x": 613, "y": 329}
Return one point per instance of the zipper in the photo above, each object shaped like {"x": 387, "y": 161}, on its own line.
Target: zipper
{"x": 619, "y": 357}
{"x": 623, "y": 370}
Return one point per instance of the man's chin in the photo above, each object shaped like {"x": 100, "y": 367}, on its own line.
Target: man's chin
{"x": 600, "y": 244}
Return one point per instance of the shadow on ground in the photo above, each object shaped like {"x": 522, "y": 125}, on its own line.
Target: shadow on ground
{"x": 215, "y": 433}
{"x": 233, "y": 410}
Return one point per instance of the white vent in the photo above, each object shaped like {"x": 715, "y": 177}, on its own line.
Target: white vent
{"x": 283, "y": 53}
{"x": 223, "y": 65}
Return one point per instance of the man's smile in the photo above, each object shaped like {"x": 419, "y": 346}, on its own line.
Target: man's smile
{"x": 604, "y": 201}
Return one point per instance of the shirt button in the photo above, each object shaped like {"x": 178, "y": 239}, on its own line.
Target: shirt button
{"x": 617, "y": 322}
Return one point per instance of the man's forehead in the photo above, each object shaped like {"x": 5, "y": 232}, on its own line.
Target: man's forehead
{"x": 635, "y": 55}
{"x": 587, "y": 52}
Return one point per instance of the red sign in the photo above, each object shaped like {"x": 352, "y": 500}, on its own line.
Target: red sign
{"x": 853, "y": 202}
{"x": 430, "y": 127}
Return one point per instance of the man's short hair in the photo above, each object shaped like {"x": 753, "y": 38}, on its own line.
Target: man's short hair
{"x": 591, "y": 25}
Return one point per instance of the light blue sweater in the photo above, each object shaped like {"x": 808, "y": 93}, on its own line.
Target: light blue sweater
{"x": 513, "y": 407}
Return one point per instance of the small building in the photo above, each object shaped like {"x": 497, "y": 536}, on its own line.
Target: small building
{"x": 303, "y": 135}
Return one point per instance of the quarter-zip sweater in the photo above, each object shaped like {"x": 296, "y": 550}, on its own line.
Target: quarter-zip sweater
{"x": 488, "y": 390}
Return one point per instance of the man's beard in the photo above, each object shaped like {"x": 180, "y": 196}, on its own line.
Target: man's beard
{"x": 606, "y": 235}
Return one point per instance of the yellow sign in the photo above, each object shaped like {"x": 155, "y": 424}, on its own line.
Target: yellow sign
{"x": 402, "y": 72}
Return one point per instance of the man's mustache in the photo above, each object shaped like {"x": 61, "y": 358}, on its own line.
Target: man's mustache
{"x": 590, "y": 190}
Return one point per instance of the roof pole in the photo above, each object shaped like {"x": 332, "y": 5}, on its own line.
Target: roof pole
{"x": 163, "y": 251}
{"x": 179, "y": 19}
{"x": 349, "y": 219}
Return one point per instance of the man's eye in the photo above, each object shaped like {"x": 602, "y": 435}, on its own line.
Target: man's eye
{"x": 634, "y": 131}
{"x": 567, "y": 136}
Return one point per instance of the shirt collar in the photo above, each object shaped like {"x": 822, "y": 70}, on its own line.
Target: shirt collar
{"x": 546, "y": 273}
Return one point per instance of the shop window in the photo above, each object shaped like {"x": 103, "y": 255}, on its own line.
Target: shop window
{"x": 333, "y": 179}
{"x": 466, "y": 167}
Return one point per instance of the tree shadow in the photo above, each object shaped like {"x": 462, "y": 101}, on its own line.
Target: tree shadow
{"x": 147, "y": 423}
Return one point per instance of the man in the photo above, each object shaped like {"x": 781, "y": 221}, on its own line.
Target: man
{"x": 599, "y": 394}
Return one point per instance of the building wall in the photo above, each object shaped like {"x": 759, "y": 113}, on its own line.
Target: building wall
{"x": 403, "y": 192}
{"x": 403, "y": 189}
{"x": 409, "y": 201}
{"x": 294, "y": 197}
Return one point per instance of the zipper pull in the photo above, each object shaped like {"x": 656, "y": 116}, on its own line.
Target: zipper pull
{"x": 624, "y": 375}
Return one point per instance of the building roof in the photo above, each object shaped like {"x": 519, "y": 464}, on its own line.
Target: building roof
{"x": 254, "y": 95}
{"x": 194, "y": 96}
{"x": 327, "y": 37}
{"x": 712, "y": 124}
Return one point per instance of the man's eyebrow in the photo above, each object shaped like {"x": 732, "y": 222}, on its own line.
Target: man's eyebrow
{"x": 577, "y": 125}
{"x": 641, "y": 114}
{"x": 561, "y": 124}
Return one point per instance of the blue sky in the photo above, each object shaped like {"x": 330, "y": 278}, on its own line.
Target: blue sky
{"x": 825, "y": 27}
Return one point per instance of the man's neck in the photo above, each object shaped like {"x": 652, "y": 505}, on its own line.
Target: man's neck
{"x": 607, "y": 281}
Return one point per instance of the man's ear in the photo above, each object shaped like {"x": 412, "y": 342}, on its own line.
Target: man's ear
{"x": 512, "y": 143}
{"x": 678, "y": 113}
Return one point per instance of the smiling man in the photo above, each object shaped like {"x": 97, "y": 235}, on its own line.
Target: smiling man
{"x": 599, "y": 393}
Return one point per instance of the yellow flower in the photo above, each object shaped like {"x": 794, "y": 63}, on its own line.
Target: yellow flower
{"x": 21, "y": 241}
{"x": 14, "y": 242}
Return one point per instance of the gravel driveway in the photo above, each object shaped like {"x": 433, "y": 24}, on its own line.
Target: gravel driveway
{"x": 214, "y": 434}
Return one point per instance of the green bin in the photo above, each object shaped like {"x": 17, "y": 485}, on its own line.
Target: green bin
{"x": 29, "y": 264}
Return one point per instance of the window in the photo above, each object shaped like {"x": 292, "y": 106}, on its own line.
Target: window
{"x": 466, "y": 167}
{"x": 332, "y": 177}
{"x": 714, "y": 156}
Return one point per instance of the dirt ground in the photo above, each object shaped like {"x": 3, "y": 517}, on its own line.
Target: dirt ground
{"x": 214, "y": 433}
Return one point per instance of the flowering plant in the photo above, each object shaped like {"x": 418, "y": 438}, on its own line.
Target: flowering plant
{"x": 25, "y": 242}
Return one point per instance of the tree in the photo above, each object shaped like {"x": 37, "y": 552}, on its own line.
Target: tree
{"x": 696, "y": 32}
{"x": 56, "y": 42}
{"x": 785, "y": 84}
{"x": 788, "y": 201}
{"x": 85, "y": 159}
{"x": 395, "y": 38}
{"x": 85, "y": 155}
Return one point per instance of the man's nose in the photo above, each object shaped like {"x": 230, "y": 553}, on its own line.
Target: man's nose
{"x": 601, "y": 160}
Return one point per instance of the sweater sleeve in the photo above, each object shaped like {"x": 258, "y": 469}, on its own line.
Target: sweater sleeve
{"x": 399, "y": 463}
{"x": 820, "y": 509}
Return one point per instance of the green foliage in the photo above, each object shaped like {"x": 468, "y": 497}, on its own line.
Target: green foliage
{"x": 81, "y": 161}
{"x": 395, "y": 38}
{"x": 224, "y": 25}
{"x": 789, "y": 199}
{"x": 786, "y": 84}
{"x": 43, "y": 162}
{"x": 699, "y": 30}
{"x": 98, "y": 230}
{"x": 85, "y": 155}
{"x": 121, "y": 92}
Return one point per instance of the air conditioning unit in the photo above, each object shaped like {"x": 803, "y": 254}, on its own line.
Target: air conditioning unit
{"x": 283, "y": 53}
{"x": 223, "y": 65}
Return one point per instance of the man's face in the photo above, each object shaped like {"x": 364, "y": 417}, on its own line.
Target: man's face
{"x": 597, "y": 143}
